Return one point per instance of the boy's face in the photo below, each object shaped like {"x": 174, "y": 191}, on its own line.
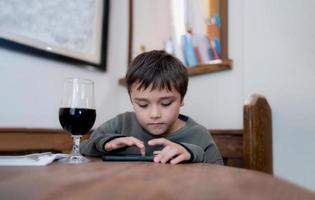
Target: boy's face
{"x": 157, "y": 110}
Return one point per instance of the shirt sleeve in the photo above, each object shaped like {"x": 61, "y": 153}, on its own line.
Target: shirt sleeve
{"x": 200, "y": 144}
{"x": 210, "y": 154}
{"x": 94, "y": 146}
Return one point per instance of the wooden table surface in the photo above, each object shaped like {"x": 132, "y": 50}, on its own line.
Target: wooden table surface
{"x": 143, "y": 180}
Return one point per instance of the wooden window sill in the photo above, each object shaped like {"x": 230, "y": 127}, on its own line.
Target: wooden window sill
{"x": 199, "y": 69}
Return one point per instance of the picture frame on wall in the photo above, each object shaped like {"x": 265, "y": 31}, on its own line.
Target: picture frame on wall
{"x": 71, "y": 31}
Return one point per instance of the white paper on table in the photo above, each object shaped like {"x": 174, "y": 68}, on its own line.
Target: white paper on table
{"x": 35, "y": 159}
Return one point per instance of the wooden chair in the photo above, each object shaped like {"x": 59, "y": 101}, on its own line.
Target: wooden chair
{"x": 249, "y": 148}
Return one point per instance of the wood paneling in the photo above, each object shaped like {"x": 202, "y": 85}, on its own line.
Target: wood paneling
{"x": 230, "y": 143}
{"x": 27, "y": 140}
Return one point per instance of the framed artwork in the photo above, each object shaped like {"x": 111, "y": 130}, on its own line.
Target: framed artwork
{"x": 71, "y": 31}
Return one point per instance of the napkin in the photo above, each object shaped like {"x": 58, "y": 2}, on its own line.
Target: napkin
{"x": 35, "y": 159}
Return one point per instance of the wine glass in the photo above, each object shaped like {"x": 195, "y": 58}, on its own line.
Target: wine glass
{"x": 77, "y": 114}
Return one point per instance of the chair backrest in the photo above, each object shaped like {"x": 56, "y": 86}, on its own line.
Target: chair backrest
{"x": 250, "y": 147}
{"x": 258, "y": 134}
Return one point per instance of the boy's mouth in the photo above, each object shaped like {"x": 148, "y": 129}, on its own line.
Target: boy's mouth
{"x": 155, "y": 125}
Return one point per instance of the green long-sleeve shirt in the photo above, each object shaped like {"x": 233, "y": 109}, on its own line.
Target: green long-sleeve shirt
{"x": 194, "y": 137}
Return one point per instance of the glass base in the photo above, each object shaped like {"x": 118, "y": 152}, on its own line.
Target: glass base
{"x": 74, "y": 160}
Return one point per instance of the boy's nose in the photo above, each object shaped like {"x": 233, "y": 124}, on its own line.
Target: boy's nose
{"x": 155, "y": 113}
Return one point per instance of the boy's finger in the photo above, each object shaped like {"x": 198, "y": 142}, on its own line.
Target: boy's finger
{"x": 141, "y": 147}
{"x": 157, "y": 158}
{"x": 161, "y": 155}
{"x": 139, "y": 144}
{"x": 121, "y": 141}
{"x": 116, "y": 146}
{"x": 178, "y": 159}
{"x": 168, "y": 154}
{"x": 142, "y": 151}
{"x": 156, "y": 152}
{"x": 125, "y": 141}
{"x": 116, "y": 143}
{"x": 108, "y": 147}
{"x": 159, "y": 141}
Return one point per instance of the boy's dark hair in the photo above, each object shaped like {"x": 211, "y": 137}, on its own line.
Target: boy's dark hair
{"x": 159, "y": 69}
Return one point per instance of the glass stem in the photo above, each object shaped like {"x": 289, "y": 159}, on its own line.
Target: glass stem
{"x": 76, "y": 146}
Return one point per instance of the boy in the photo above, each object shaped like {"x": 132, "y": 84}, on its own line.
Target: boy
{"x": 156, "y": 83}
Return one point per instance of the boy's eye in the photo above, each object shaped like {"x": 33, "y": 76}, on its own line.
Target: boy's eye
{"x": 165, "y": 104}
{"x": 142, "y": 105}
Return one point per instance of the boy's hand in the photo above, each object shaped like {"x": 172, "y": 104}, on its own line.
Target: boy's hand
{"x": 172, "y": 152}
{"x": 123, "y": 142}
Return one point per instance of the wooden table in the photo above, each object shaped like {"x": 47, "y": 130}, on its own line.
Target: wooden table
{"x": 143, "y": 180}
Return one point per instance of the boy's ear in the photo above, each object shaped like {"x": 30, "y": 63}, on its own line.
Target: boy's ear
{"x": 129, "y": 97}
{"x": 182, "y": 103}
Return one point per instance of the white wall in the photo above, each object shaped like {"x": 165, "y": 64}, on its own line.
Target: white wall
{"x": 30, "y": 87}
{"x": 279, "y": 49}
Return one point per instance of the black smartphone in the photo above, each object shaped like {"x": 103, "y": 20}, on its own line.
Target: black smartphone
{"x": 126, "y": 158}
